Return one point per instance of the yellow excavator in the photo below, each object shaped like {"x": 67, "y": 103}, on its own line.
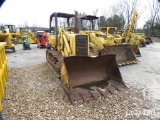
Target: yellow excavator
{"x": 82, "y": 75}
{"x": 106, "y": 44}
{"x": 7, "y": 34}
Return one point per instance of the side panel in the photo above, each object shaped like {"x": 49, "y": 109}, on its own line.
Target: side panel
{"x": 3, "y": 72}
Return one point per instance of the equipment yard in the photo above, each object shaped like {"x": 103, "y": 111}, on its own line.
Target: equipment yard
{"x": 34, "y": 93}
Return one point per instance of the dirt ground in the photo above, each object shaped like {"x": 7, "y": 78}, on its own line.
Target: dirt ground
{"x": 34, "y": 93}
{"x": 25, "y": 57}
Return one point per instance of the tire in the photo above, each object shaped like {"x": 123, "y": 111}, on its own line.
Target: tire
{"x": 147, "y": 42}
{"x": 150, "y": 40}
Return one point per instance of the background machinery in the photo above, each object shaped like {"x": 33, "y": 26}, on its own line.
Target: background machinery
{"x": 82, "y": 76}
{"x": 42, "y": 39}
{"x": 148, "y": 40}
{"x": 127, "y": 35}
{"x": 26, "y": 44}
{"x": 112, "y": 31}
{"x": 12, "y": 32}
{"x": 7, "y": 34}
{"x": 106, "y": 44}
{"x": 133, "y": 38}
{"x": 119, "y": 38}
{"x": 24, "y": 32}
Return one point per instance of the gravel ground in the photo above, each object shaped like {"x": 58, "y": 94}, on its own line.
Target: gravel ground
{"x": 34, "y": 93}
{"x": 155, "y": 39}
{"x": 25, "y": 57}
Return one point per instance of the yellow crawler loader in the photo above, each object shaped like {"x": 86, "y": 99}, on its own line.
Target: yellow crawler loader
{"x": 7, "y": 34}
{"x": 82, "y": 76}
{"x": 106, "y": 44}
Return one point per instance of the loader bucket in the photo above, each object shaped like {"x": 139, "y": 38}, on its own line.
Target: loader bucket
{"x": 123, "y": 52}
{"x": 91, "y": 77}
{"x": 135, "y": 49}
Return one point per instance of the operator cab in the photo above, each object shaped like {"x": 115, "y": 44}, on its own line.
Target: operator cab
{"x": 90, "y": 21}
{"x": 39, "y": 35}
{"x": 64, "y": 24}
{"x": 109, "y": 30}
{"x": 12, "y": 28}
{"x": 3, "y": 29}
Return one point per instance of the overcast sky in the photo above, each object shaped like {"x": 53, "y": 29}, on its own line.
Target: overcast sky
{"x": 38, "y": 11}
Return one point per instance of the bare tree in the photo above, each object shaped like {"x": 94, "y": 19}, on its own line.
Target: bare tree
{"x": 95, "y": 12}
{"x": 118, "y": 8}
{"x": 34, "y": 27}
{"x": 84, "y": 23}
{"x": 61, "y": 23}
{"x": 95, "y": 24}
{"x": 25, "y": 24}
{"x": 130, "y": 7}
{"x": 154, "y": 10}
{"x": 126, "y": 8}
{"x": 19, "y": 25}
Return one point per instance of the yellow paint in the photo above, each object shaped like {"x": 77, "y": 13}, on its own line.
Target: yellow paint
{"x": 3, "y": 71}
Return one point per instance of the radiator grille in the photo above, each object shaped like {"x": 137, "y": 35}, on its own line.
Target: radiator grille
{"x": 81, "y": 45}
